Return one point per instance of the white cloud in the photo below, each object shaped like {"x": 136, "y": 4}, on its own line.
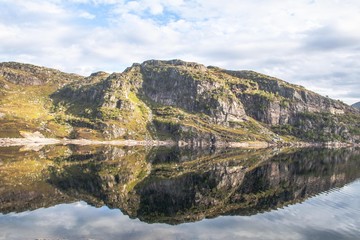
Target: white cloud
{"x": 288, "y": 39}
{"x": 86, "y": 15}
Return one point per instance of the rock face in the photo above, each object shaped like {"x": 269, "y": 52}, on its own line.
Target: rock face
{"x": 189, "y": 102}
{"x": 274, "y": 101}
{"x": 169, "y": 83}
{"x": 189, "y": 86}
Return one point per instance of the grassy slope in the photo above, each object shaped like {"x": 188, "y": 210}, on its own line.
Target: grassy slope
{"x": 28, "y": 108}
{"x": 175, "y": 118}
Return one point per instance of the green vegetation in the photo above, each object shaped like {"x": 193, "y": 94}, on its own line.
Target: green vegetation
{"x": 180, "y": 125}
{"x": 168, "y": 100}
{"x": 321, "y": 127}
{"x": 29, "y": 108}
{"x": 20, "y": 167}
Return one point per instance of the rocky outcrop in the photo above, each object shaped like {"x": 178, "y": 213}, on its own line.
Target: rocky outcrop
{"x": 27, "y": 74}
{"x": 189, "y": 102}
{"x": 170, "y": 83}
{"x": 185, "y": 85}
{"x": 96, "y": 77}
{"x": 275, "y": 102}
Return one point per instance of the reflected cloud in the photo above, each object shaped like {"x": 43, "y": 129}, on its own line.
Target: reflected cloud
{"x": 89, "y": 193}
{"x": 300, "y": 221}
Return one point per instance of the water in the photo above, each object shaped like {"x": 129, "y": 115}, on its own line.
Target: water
{"x": 60, "y": 192}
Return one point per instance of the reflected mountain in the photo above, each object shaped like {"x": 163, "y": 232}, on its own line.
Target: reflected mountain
{"x": 171, "y": 185}
{"x": 242, "y": 183}
{"x": 23, "y": 177}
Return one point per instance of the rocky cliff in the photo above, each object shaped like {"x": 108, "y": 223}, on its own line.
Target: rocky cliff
{"x": 177, "y": 100}
{"x": 30, "y": 75}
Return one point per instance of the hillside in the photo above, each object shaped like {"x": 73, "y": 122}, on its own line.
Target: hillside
{"x": 356, "y": 105}
{"x": 176, "y": 100}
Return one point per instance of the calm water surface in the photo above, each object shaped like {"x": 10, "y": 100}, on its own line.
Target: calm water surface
{"x": 68, "y": 192}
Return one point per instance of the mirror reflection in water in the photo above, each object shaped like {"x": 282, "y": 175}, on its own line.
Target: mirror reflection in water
{"x": 305, "y": 191}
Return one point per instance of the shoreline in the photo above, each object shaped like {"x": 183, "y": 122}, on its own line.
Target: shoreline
{"x": 8, "y": 142}
{"x": 41, "y": 141}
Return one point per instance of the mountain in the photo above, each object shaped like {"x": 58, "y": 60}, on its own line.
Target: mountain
{"x": 356, "y": 105}
{"x": 177, "y": 100}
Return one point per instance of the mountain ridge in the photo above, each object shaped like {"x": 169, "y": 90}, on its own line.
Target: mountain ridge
{"x": 356, "y": 105}
{"x": 162, "y": 100}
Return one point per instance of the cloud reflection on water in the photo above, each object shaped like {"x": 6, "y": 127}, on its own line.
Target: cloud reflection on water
{"x": 332, "y": 215}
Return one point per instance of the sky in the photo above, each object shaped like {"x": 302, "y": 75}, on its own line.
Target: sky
{"x": 313, "y": 43}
